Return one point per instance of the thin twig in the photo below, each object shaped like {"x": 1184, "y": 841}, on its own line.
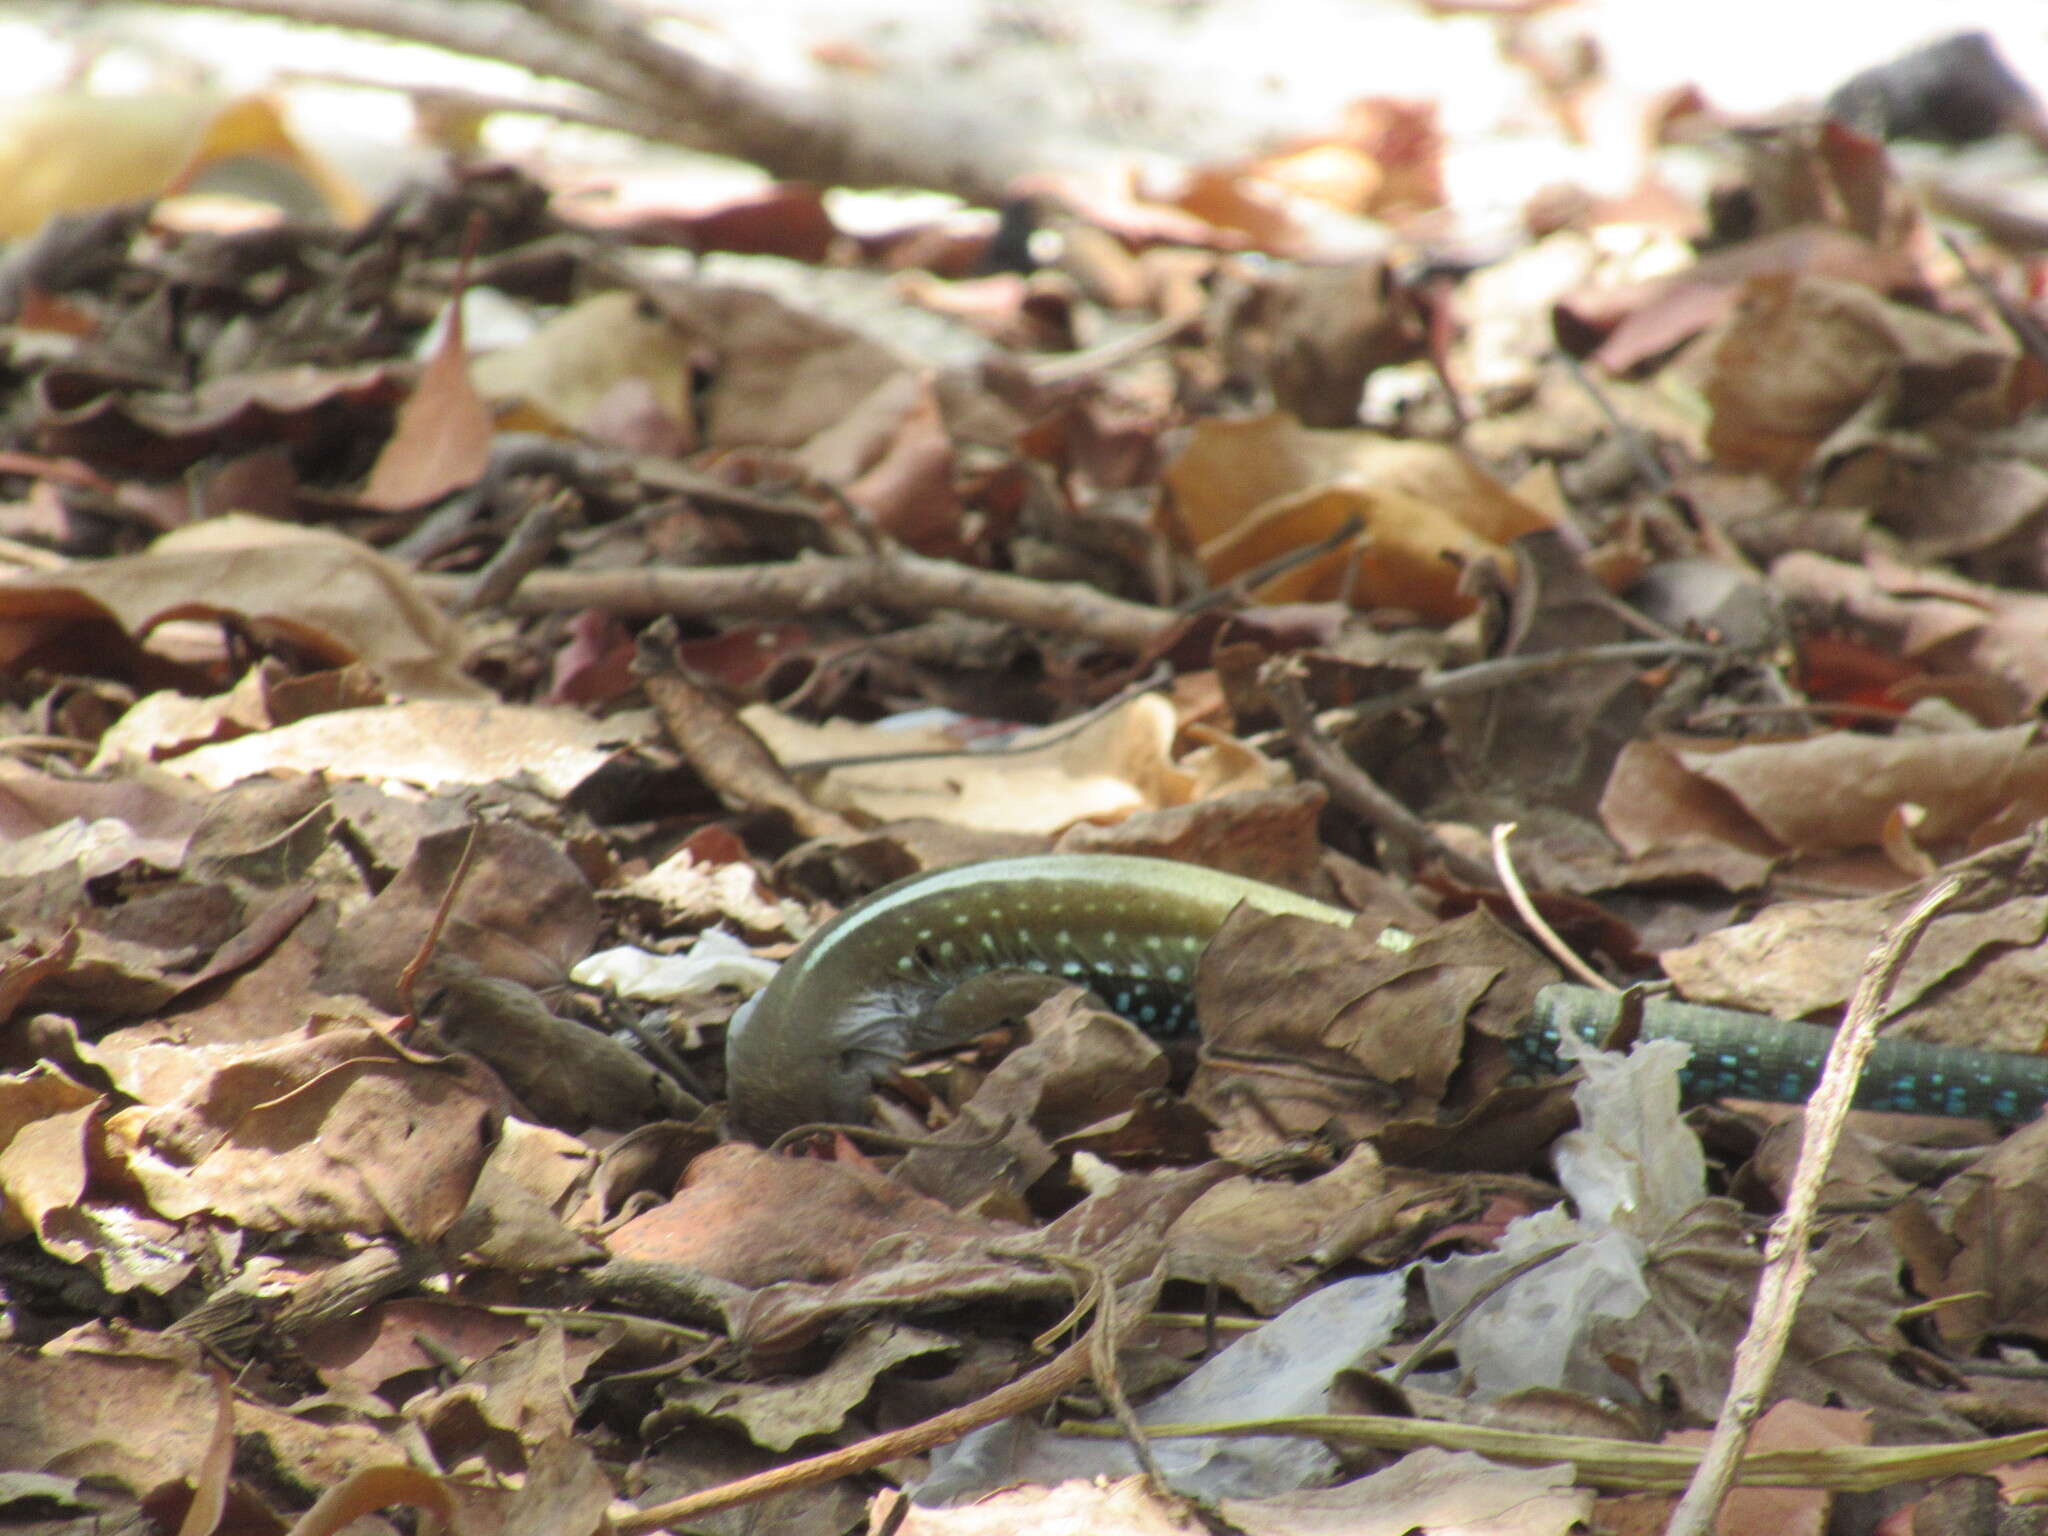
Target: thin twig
{"x": 1431, "y": 302}
{"x": 1426, "y": 1345}
{"x": 2024, "y": 327}
{"x": 73, "y": 746}
{"x": 1624, "y": 1465}
{"x": 1511, "y": 882}
{"x": 531, "y": 542}
{"x": 408, "y": 979}
{"x": 893, "y": 1141}
{"x": 1353, "y": 788}
{"x": 664, "y": 1055}
{"x": 1157, "y": 677}
{"x": 2010, "y": 1370}
{"x": 1646, "y": 463}
{"x": 1207, "y": 1321}
{"x": 1119, "y": 349}
{"x": 1065, "y": 1370}
{"x": 1876, "y": 713}
{"x": 1482, "y": 676}
{"x": 1239, "y": 587}
{"x": 1788, "y": 1265}
{"x": 591, "y": 1320}
{"x": 898, "y": 581}
{"x": 619, "y": 35}
{"x": 1092, "y": 1284}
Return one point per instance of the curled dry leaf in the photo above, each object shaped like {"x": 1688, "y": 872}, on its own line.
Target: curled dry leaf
{"x": 1998, "y": 1202}
{"x": 1247, "y": 492}
{"x": 105, "y": 419}
{"x": 1428, "y": 1492}
{"x": 1267, "y": 834}
{"x": 1125, "y": 1508}
{"x": 1081, "y": 1069}
{"x": 310, "y": 589}
{"x": 779, "y": 1415}
{"x": 109, "y": 1402}
{"x": 1975, "y": 978}
{"x": 77, "y": 150}
{"x": 372, "y": 1142}
{"x": 1830, "y": 794}
{"x": 427, "y": 743}
{"x": 442, "y": 441}
{"x": 568, "y": 371}
{"x": 833, "y": 1215}
{"x": 1801, "y": 356}
{"x": 1112, "y": 767}
{"x": 1312, "y": 1025}
{"x": 1945, "y": 623}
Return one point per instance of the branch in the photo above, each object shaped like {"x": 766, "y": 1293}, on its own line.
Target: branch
{"x": 668, "y": 94}
{"x": 1788, "y": 1264}
{"x": 903, "y": 582}
{"x": 484, "y": 31}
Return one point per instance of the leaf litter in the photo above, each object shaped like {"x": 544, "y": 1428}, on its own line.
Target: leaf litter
{"x": 364, "y": 846}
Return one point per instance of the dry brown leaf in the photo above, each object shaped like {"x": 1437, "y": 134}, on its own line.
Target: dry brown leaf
{"x": 525, "y": 914}
{"x": 366, "y": 1351}
{"x": 1264, "y": 834}
{"x": 1950, "y": 625}
{"x": 155, "y": 817}
{"x": 783, "y": 375}
{"x": 442, "y": 441}
{"x": 1785, "y": 1426}
{"x": 1701, "y": 1275}
{"x": 1430, "y": 1492}
{"x": 169, "y": 723}
{"x": 1113, "y": 767}
{"x": 1266, "y": 1242}
{"x": 108, "y": 1401}
{"x": 1975, "y": 978}
{"x": 1980, "y": 1217}
{"x": 330, "y": 1131}
{"x": 1307, "y": 1025}
{"x": 780, "y": 1414}
{"x": 829, "y": 1217}
{"x": 313, "y": 589}
{"x": 563, "y": 1072}
{"x": 75, "y": 150}
{"x": 1081, "y": 1069}
{"x": 103, "y": 417}
{"x": 421, "y": 743}
{"x": 1661, "y": 812}
{"x": 1311, "y": 335}
{"x": 44, "y": 1117}
{"x": 575, "y": 364}
{"x": 1125, "y": 1508}
{"x": 894, "y": 457}
{"x": 1231, "y": 466}
{"x": 1801, "y": 356}
{"x": 1837, "y": 791}
{"x": 1250, "y": 491}
{"x": 368, "y": 1489}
